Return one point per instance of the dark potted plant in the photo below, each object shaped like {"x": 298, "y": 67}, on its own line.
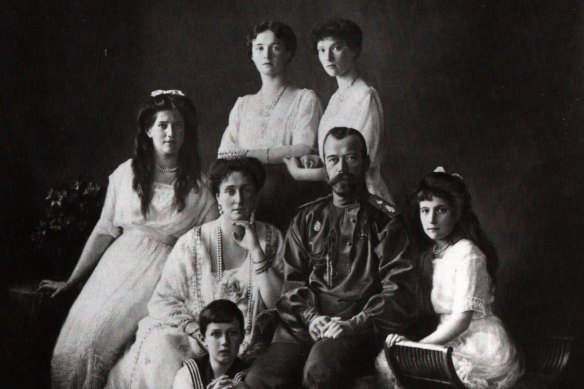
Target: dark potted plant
{"x": 70, "y": 213}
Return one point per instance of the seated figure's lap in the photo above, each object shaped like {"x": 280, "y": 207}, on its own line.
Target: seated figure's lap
{"x": 279, "y": 367}
{"x": 329, "y": 363}
{"x": 335, "y": 363}
{"x": 162, "y": 356}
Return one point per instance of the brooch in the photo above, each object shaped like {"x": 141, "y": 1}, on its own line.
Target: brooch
{"x": 317, "y": 226}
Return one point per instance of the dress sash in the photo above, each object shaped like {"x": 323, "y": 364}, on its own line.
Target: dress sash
{"x": 151, "y": 233}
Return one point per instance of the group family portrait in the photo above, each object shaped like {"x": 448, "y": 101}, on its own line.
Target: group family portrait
{"x": 292, "y": 194}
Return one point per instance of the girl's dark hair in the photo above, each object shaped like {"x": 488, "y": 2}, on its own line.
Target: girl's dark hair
{"x": 345, "y": 30}
{"x": 282, "y": 31}
{"x": 249, "y": 167}
{"x": 453, "y": 189}
{"x": 220, "y": 311}
{"x": 188, "y": 174}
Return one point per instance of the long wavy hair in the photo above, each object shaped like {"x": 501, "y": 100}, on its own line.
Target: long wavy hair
{"x": 453, "y": 190}
{"x": 188, "y": 175}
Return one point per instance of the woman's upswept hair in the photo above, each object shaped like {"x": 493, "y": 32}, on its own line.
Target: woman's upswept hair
{"x": 282, "y": 31}
{"x": 188, "y": 175}
{"x": 249, "y": 167}
{"x": 345, "y": 30}
{"x": 451, "y": 187}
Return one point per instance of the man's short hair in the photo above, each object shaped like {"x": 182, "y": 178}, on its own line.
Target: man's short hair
{"x": 220, "y": 311}
{"x": 343, "y": 132}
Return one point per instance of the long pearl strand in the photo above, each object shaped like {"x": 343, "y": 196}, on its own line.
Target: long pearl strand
{"x": 251, "y": 277}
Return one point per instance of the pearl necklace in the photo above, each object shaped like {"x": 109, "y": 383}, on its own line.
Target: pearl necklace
{"x": 250, "y": 284}
{"x": 165, "y": 170}
{"x": 267, "y": 109}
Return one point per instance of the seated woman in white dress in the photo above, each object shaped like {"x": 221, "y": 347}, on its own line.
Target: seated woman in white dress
{"x": 461, "y": 265}
{"x": 151, "y": 200}
{"x": 279, "y": 120}
{"x": 355, "y": 104}
{"x": 233, "y": 258}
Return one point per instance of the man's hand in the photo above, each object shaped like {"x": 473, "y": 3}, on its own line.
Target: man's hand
{"x": 310, "y": 161}
{"x": 336, "y": 329}
{"x": 317, "y": 325}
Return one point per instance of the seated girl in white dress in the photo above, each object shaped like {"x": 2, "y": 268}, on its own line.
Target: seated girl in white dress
{"x": 232, "y": 258}
{"x": 461, "y": 264}
{"x": 151, "y": 200}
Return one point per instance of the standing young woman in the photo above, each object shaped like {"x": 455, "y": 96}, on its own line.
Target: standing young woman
{"x": 461, "y": 264}
{"x": 355, "y": 104}
{"x": 280, "y": 120}
{"x": 151, "y": 200}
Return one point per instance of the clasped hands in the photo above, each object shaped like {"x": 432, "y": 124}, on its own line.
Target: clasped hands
{"x": 224, "y": 382}
{"x": 295, "y": 164}
{"x": 329, "y": 327}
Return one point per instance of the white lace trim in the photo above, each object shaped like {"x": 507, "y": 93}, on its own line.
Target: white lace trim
{"x": 472, "y": 304}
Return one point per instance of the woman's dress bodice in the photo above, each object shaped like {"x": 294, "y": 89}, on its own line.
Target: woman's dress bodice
{"x": 121, "y": 211}
{"x": 359, "y": 106}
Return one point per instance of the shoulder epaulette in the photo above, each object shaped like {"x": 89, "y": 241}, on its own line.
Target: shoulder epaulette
{"x": 382, "y": 205}
{"x": 320, "y": 199}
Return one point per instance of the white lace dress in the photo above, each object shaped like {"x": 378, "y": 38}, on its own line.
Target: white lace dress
{"x": 294, "y": 121}
{"x": 359, "y": 107}
{"x": 484, "y": 355}
{"x": 186, "y": 286}
{"x": 105, "y": 316}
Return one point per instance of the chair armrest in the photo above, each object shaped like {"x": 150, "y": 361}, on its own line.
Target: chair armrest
{"x": 412, "y": 361}
{"x": 548, "y": 355}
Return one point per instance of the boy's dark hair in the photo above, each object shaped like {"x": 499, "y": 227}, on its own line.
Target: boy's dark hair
{"x": 220, "y": 311}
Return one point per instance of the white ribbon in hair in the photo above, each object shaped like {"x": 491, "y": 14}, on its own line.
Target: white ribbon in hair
{"x": 175, "y": 92}
{"x": 440, "y": 169}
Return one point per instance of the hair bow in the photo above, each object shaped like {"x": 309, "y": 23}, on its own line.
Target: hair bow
{"x": 175, "y": 92}
{"x": 440, "y": 169}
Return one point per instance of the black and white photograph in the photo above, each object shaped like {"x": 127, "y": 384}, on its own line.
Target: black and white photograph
{"x": 292, "y": 194}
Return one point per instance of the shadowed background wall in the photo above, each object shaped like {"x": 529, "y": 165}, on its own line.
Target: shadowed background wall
{"x": 490, "y": 90}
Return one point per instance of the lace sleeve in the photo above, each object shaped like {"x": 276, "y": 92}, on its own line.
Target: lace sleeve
{"x": 471, "y": 281}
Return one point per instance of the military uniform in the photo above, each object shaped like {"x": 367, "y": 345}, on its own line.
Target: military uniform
{"x": 345, "y": 262}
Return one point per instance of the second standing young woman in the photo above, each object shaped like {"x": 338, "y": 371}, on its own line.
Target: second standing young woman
{"x": 355, "y": 104}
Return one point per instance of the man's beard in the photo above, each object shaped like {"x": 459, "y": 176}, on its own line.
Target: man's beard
{"x": 345, "y": 184}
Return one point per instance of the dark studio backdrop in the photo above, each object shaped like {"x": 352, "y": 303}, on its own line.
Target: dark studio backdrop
{"x": 491, "y": 90}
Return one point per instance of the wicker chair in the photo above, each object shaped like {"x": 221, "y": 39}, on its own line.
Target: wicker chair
{"x": 418, "y": 365}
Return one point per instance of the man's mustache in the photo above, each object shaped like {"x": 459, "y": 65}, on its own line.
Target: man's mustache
{"x": 343, "y": 177}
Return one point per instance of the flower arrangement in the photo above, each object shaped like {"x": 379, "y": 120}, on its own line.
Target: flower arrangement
{"x": 70, "y": 213}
